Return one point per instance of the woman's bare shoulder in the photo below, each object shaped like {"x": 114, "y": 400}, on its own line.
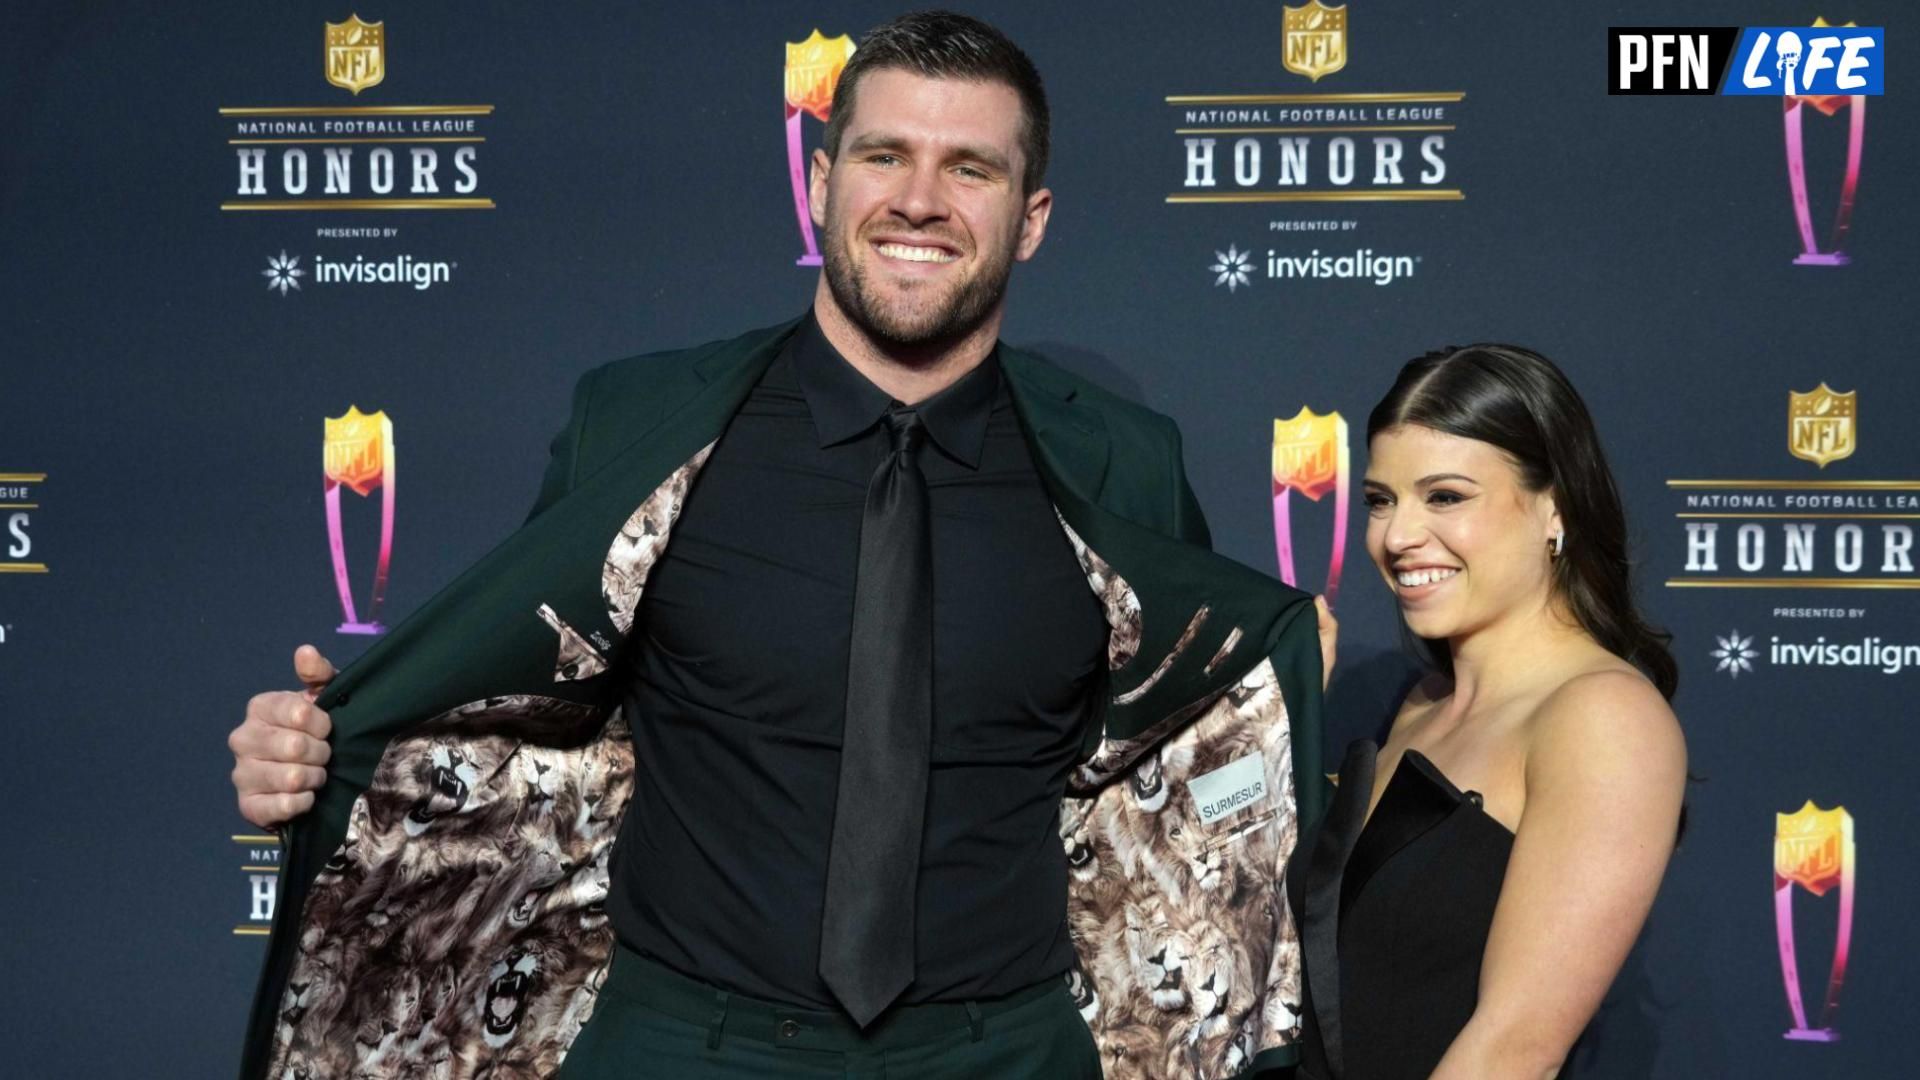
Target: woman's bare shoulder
{"x": 1606, "y": 714}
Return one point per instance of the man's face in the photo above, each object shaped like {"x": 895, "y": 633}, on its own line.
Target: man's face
{"x": 923, "y": 212}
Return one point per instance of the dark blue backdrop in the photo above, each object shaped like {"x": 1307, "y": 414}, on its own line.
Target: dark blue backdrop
{"x": 173, "y": 405}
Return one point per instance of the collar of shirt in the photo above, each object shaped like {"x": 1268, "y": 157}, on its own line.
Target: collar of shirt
{"x": 844, "y": 404}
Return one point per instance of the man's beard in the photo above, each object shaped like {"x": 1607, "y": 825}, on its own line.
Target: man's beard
{"x": 921, "y": 319}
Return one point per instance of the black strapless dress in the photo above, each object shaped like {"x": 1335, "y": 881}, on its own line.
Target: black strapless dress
{"x": 1393, "y": 920}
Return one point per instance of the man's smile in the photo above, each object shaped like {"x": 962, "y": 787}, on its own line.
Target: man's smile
{"x": 899, "y": 251}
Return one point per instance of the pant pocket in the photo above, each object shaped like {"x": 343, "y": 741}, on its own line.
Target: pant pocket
{"x": 1083, "y": 1056}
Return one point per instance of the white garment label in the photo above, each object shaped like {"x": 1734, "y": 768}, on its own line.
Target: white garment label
{"x": 1233, "y": 786}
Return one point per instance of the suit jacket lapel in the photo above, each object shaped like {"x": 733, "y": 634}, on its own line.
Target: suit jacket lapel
{"x": 1068, "y": 439}
{"x": 699, "y": 408}
{"x": 1205, "y": 621}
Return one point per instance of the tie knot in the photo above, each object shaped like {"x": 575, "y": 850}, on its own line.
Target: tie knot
{"x": 905, "y": 430}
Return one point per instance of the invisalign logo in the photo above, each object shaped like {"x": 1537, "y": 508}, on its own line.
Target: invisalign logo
{"x": 284, "y": 273}
{"x": 399, "y": 270}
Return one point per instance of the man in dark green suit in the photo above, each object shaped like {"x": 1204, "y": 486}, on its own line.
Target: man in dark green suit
{"x": 451, "y": 800}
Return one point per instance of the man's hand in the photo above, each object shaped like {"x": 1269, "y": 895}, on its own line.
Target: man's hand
{"x": 280, "y": 748}
{"x": 1329, "y": 637}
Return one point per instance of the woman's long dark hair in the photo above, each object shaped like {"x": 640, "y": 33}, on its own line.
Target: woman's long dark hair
{"x": 1516, "y": 400}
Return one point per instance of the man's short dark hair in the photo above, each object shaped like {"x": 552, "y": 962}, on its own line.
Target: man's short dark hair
{"x": 943, "y": 45}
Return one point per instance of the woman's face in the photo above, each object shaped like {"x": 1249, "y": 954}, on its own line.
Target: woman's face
{"x": 1457, "y": 537}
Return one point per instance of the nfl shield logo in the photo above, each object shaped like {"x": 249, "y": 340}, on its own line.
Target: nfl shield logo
{"x": 1821, "y": 424}
{"x": 1808, "y": 846}
{"x": 813, "y": 70}
{"x": 1315, "y": 39}
{"x": 1307, "y": 451}
{"x": 356, "y": 449}
{"x": 356, "y": 54}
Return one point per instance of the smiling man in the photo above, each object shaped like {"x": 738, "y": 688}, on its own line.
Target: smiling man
{"x": 890, "y": 762}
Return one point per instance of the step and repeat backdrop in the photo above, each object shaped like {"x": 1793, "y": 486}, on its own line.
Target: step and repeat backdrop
{"x": 259, "y": 256}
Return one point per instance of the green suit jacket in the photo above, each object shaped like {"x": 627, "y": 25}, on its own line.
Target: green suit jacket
{"x": 440, "y": 907}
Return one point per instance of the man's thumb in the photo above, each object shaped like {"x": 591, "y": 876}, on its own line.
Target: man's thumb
{"x": 313, "y": 669}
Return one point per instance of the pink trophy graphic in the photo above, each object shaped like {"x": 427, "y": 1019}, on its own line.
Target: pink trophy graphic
{"x": 1310, "y": 456}
{"x": 1813, "y": 850}
{"x": 1794, "y": 111}
{"x": 813, "y": 70}
{"x": 359, "y": 456}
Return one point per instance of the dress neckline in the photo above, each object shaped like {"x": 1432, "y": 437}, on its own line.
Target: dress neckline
{"x": 1424, "y": 768}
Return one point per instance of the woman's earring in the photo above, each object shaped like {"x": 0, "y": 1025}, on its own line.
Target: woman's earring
{"x": 1557, "y": 544}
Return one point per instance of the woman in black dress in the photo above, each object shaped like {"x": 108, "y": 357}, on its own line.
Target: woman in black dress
{"x": 1469, "y": 897}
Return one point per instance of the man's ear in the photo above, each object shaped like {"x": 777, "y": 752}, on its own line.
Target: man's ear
{"x": 817, "y": 172}
{"x": 1033, "y": 224}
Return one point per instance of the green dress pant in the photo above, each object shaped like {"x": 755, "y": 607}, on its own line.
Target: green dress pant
{"x": 652, "y": 1023}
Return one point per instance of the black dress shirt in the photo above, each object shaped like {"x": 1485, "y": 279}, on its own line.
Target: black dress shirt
{"x": 738, "y": 693}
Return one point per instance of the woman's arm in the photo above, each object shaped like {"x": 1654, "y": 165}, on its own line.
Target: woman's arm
{"x": 1605, "y": 774}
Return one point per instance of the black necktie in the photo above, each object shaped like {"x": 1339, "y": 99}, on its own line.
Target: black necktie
{"x": 867, "y": 930}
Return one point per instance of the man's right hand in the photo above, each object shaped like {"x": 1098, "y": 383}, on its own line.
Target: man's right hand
{"x": 280, "y": 749}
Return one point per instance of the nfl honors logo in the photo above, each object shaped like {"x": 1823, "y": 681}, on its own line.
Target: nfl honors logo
{"x": 1821, "y": 424}
{"x": 1315, "y": 39}
{"x": 356, "y": 55}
